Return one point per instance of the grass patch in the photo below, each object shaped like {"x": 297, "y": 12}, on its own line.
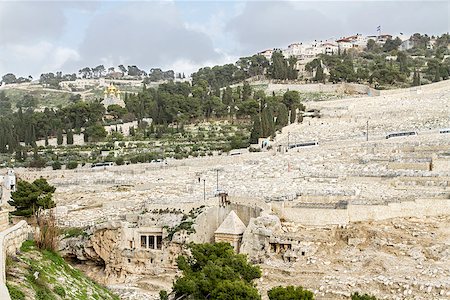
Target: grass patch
{"x": 27, "y": 246}
{"x": 15, "y": 293}
{"x": 45, "y": 275}
{"x": 74, "y": 232}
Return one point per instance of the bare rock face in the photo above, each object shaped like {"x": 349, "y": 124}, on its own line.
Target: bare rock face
{"x": 99, "y": 246}
{"x": 255, "y": 237}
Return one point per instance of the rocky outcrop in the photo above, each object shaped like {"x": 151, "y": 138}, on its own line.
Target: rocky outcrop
{"x": 255, "y": 240}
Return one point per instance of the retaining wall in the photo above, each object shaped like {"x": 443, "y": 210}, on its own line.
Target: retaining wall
{"x": 341, "y": 88}
{"x": 357, "y": 213}
{"x": 10, "y": 241}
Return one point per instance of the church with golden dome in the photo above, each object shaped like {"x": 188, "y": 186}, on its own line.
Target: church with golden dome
{"x": 112, "y": 95}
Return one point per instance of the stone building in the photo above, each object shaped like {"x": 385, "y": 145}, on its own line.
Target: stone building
{"x": 230, "y": 231}
{"x": 112, "y": 95}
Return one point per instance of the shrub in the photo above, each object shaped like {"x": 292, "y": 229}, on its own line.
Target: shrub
{"x": 72, "y": 165}
{"x": 120, "y": 161}
{"x": 47, "y": 237}
{"x": 38, "y": 163}
{"x": 163, "y": 295}
{"x": 357, "y": 296}
{"x": 56, "y": 165}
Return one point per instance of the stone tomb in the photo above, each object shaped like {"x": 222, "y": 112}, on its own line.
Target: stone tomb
{"x": 230, "y": 231}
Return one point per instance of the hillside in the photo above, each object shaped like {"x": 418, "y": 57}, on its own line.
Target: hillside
{"x": 35, "y": 274}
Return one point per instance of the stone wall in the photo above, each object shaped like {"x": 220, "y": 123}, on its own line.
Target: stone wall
{"x": 441, "y": 164}
{"x": 340, "y": 88}
{"x": 358, "y": 213}
{"x": 10, "y": 241}
{"x": 423, "y": 166}
{"x": 4, "y": 219}
{"x": 208, "y": 222}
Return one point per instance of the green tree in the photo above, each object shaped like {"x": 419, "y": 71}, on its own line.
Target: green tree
{"x": 246, "y": 91}
{"x": 69, "y": 137}
{"x": 320, "y": 76}
{"x": 267, "y": 124}
{"x": 290, "y": 293}
{"x": 59, "y": 137}
{"x": 416, "y": 78}
{"x": 96, "y": 133}
{"x": 279, "y": 67}
{"x": 392, "y": 44}
{"x": 371, "y": 45}
{"x": 213, "y": 271}
{"x": 9, "y": 78}
{"x": 30, "y": 198}
{"x": 291, "y": 99}
{"x": 256, "y": 132}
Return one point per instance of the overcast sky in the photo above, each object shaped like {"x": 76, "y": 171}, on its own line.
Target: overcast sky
{"x": 37, "y": 36}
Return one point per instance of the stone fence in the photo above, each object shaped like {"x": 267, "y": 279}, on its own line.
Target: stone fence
{"x": 321, "y": 216}
{"x": 10, "y": 241}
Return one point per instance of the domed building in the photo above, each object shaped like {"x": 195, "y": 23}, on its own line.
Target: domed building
{"x": 112, "y": 96}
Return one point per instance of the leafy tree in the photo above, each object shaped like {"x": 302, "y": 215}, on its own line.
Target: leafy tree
{"x": 392, "y": 44}
{"x": 371, "y": 45}
{"x": 9, "y": 78}
{"x": 117, "y": 111}
{"x": 86, "y": 72}
{"x": 30, "y": 198}
{"x": 213, "y": 271}
{"x": 232, "y": 290}
{"x": 96, "y": 133}
{"x": 290, "y": 293}
{"x": 122, "y": 69}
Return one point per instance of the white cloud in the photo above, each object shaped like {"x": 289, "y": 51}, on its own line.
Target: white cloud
{"x": 147, "y": 34}
{"x": 36, "y": 59}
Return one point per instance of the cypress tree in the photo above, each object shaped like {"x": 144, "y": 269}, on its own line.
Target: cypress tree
{"x": 256, "y": 130}
{"x": 59, "y": 137}
{"x": 69, "y": 137}
{"x": 320, "y": 76}
{"x": 293, "y": 114}
{"x": 246, "y": 91}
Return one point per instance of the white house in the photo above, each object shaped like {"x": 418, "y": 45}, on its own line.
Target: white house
{"x": 267, "y": 53}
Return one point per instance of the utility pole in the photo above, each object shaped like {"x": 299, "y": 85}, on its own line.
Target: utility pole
{"x": 204, "y": 189}
{"x": 288, "y": 139}
{"x": 367, "y": 131}
{"x": 217, "y": 185}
